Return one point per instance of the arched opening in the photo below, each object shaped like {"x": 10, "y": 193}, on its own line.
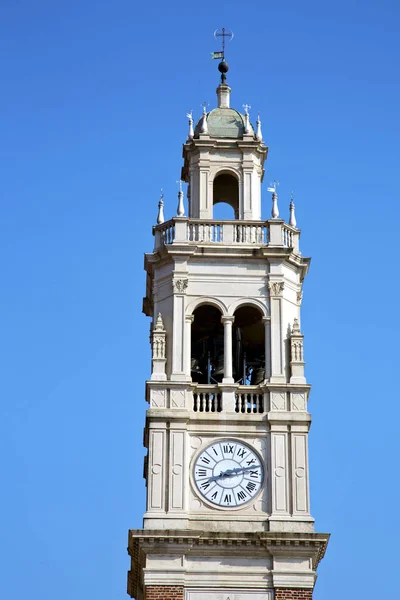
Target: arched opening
{"x": 207, "y": 345}
{"x": 226, "y": 190}
{"x": 249, "y": 346}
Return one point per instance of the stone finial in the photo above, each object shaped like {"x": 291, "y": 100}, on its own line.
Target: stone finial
{"x": 246, "y": 118}
{"x": 204, "y": 126}
{"x": 296, "y": 326}
{"x": 292, "y": 217}
{"x": 160, "y": 216}
{"x": 297, "y": 354}
{"x": 159, "y": 323}
{"x": 180, "y": 211}
{"x": 159, "y": 351}
{"x": 258, "y": 132}
{"x": 275, "y": 209}
{"x": 191, "y": 130}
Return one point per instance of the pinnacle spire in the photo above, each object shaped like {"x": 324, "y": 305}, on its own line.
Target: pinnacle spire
{"x": 292, "y": 217}
{"x": 160, "y": 216}
{"x": 180, "y": 211}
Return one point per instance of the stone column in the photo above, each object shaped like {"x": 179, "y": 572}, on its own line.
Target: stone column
{"x": 188, "y": 344}
{"x": 277, "y": 369}
{"x": 267, "y": 341}
{"x": 227, "y": 321}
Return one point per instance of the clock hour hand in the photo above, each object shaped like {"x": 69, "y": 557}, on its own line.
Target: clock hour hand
{"x": 233, "y": 472}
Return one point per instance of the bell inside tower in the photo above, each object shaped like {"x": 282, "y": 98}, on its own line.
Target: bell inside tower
{"x": 247, "y": 350}
{"x": 226, "y": 191}
{"x": 248, "y": 346}
{"x": 207, "y": 344}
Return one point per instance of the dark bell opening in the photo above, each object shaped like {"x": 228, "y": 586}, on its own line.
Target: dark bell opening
{"x": 226, "y": 189}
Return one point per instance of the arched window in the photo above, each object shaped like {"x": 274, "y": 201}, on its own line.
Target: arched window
{"x": 249, "y": 345}
{"x": 207, "y": 345}
{"x": 226, "y": 190}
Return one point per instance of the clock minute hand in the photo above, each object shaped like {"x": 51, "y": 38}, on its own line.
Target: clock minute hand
{"x": 232, "y": 472}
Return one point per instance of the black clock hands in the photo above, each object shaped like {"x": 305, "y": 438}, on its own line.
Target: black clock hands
{"x": 233, "y": 472}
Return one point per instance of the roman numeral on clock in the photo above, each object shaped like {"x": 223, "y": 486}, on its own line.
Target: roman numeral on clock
{"x": 241, "y": 495}
{"x": 201, "y": 472}
{"x": 228, "y": 448}
{"x": 251, "y": 486}
{"x": 241, "y": 452}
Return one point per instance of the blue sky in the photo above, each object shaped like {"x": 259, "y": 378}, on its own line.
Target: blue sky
{"x": 93, "y": 105}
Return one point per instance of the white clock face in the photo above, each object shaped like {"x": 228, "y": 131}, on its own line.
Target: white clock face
{"x": 228, "y": 473}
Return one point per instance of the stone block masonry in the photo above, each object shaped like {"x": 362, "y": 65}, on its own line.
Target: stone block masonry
{"x": 164, "y": 592}
{"x": 293, "y": 594}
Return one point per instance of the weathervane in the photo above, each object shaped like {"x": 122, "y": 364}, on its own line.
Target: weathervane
{"x": 220, "y": 54}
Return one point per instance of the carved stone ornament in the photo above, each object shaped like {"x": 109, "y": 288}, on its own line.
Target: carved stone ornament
{"x": 159, "y": 323}
{"x": 299, "y": 402}
{"x": 276, "y": 288}
{"x": 299, "y": 297}
{"x": 180, "y": 285}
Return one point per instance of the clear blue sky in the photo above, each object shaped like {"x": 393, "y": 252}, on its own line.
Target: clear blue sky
{"x": 93, "y": 104}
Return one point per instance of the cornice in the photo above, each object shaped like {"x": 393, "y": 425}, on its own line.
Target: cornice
{"x": 312, "y": 545}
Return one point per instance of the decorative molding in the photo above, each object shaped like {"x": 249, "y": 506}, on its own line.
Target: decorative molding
{"x": 157, "y": 399}
{"x": 278, "y": 400}
{"x": 276, "y": 288}
{"x": 312, "y": 545}
{"x": 178, "y": 398}
{"x": 299, "y": 297}
{"x": 299, "y": 401}
{"x": 180, "y": 285}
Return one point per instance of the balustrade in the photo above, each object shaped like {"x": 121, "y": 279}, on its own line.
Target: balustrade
{"x": 228, "y": 232}
{"x": 207, "y": 400}
{"x": 249, "y": 402}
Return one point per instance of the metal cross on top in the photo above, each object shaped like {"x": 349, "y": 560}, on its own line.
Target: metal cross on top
{"x": 224, "y": 34}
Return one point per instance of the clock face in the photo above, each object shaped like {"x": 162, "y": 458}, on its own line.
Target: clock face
{"x": 228, "y": 473}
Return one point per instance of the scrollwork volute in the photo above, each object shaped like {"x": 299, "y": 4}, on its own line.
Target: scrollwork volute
{"x": 276, "y": 288}
{"x": 180, "y": 285}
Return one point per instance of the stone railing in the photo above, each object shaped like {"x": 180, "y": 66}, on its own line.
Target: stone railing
{"x": 273, "y": 232}
{"x": 247, "y": 399}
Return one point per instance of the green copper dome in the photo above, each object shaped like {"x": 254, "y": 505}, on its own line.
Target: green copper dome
{"x": 224, "y": 123}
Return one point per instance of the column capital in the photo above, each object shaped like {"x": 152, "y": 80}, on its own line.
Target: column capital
{"x": 189, "y": 318}
{"x": 266, "y": 320}
{"x": 227, "y": 319}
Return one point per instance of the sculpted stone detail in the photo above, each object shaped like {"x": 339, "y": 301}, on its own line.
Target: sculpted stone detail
{"x": 180, "y": 285}
{"x": 178, "y": 398}
{"x": 299, "y": 297}
{"x": 278, "y": 401}
{"x": 157, "y": 399}
{"x": 299, "y": 401}
{"x": 297, "y": 350}
{"x": 276, "y": 288}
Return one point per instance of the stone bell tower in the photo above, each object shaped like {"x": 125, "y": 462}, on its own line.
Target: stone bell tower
{"x": 228, "y": 508}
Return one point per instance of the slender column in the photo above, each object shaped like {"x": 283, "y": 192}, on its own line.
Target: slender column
{"x": 276, "y": 292}
{"x": 227, "y": 321}
{"x": 267, "y": 340}
{"x": 188, "y": 346}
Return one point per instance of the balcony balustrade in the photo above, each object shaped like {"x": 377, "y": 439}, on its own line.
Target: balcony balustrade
{"x": 273, "y": 232}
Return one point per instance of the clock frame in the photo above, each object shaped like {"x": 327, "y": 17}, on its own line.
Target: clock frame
{"x": 227, "y": 473}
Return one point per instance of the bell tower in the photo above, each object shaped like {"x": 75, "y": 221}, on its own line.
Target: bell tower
{"x": 227, "y": 481}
